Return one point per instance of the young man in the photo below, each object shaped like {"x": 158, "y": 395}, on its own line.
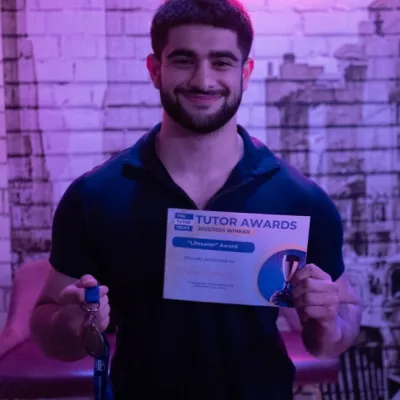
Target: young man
{"x": 110, "y": 227}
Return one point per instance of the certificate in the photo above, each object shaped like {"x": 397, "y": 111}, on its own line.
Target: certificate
{"x": 233, "y": 258}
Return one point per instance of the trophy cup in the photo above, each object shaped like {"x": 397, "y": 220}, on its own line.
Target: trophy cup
{"x": 283, "y": 298}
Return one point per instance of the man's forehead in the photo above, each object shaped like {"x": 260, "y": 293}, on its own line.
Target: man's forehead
{"x": 202, "y": 39}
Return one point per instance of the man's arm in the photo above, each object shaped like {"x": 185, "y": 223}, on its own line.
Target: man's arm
{"x": 332, "y": 339}
{"x": 57, "y": 333}
{"x": 56, "y": 326}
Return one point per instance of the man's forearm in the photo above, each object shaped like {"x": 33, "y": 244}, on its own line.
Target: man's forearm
{"x": 331, "y": 341}
{"x": 54, "y": 333}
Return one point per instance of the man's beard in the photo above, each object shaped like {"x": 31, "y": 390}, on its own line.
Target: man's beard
{"x": 200, "y": 124}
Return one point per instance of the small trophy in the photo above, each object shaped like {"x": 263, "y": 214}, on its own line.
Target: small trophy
{"x": 283, "y": 298}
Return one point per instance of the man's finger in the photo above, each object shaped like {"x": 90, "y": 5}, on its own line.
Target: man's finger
{"x": 103, "y": 297}
{"x": 72, "y": 295}
{"x": 104, "y": 309}
{"x": 322, "y": 313}
{"x": 310, "y": 285}
{"x": 316, "y": 299}
{"x": 103, "y": 291}
{"x": 309, "y": 271}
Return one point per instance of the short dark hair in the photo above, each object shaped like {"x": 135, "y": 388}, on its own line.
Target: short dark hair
{"x": 225, "y": 14}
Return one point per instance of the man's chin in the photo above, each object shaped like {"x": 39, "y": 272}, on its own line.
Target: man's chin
{"x": 200, "y": 127}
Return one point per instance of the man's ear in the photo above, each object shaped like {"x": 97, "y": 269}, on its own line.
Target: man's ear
{"x": 154, "y": 68}
{"x": 247, "y": 70}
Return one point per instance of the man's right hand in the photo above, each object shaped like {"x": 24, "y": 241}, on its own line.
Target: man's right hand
{"x": 72, "y": 297}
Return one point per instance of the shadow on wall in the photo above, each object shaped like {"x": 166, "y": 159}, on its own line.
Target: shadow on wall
{"x": 30, "y": 189}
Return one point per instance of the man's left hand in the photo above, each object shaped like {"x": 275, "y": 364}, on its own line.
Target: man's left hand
{"x": 315, "y": 297}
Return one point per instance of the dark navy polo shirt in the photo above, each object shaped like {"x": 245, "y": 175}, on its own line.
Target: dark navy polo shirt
{"x": 111, "y": 223}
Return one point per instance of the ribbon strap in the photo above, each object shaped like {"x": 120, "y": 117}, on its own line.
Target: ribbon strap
{"x": 102, "y": 387}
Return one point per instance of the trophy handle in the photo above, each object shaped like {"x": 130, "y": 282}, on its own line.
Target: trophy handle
{"x": 293, "y": 269}
{"x": 290, "y": 264}
{"x": 285, "y": 269}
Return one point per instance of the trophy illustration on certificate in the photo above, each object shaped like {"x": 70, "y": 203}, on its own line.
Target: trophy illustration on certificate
{"x": 283, "y": 298}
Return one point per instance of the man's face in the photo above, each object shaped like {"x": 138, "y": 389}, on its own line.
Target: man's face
{"x": 201, "y": 77}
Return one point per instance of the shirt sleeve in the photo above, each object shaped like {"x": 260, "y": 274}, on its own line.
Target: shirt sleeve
{"x": 326, "y": 235}
{"x": 71, "y": 252}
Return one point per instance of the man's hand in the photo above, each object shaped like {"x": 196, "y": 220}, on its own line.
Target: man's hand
{"x": 72, "y": 298}
{"x": 58, "y": 316}
{"x": 329, "y": 312}
{"x": 316, "y": 299}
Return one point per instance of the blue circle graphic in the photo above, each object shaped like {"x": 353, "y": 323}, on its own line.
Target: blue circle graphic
{"x": 270, "y": 278}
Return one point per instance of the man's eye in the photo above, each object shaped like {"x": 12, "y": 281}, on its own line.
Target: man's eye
{"x": 183, "y": 61}
{"x": 222, "y": 64}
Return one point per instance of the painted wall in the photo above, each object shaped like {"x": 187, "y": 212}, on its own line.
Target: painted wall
{"x": 325, "y": 94}
{"x": 5, "y": 225}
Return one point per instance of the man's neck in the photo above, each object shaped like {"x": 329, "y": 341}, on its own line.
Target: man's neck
{"x": 204, "y": 155}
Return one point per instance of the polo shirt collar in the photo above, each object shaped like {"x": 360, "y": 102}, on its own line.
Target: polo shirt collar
{"x": 257, "y": 158}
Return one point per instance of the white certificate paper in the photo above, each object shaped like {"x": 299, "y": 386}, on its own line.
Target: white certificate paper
{"x": 233, "y": 258}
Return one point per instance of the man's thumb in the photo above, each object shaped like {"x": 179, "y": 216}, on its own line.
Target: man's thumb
{"x": 87, "y": 281}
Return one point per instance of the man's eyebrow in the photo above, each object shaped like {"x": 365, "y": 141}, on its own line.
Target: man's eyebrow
{"x": 213, "y": 54}
{"x": 224, "y": 54}
{"x": 181, "y": 53}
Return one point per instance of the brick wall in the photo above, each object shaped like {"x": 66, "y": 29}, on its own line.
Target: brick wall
{"x": 325, "y": 94}
{"x": 55, "y": 73}
{"x": 5, "y": 228}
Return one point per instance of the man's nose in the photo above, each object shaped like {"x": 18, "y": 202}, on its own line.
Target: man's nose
{"x": 202, "y": 77}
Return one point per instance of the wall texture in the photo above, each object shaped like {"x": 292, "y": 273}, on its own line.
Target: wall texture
{"x": 325, "y": 94}
{"x": 5, "y": 227}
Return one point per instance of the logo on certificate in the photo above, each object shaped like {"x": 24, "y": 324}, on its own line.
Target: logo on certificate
{"x": 184, "y": 222}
